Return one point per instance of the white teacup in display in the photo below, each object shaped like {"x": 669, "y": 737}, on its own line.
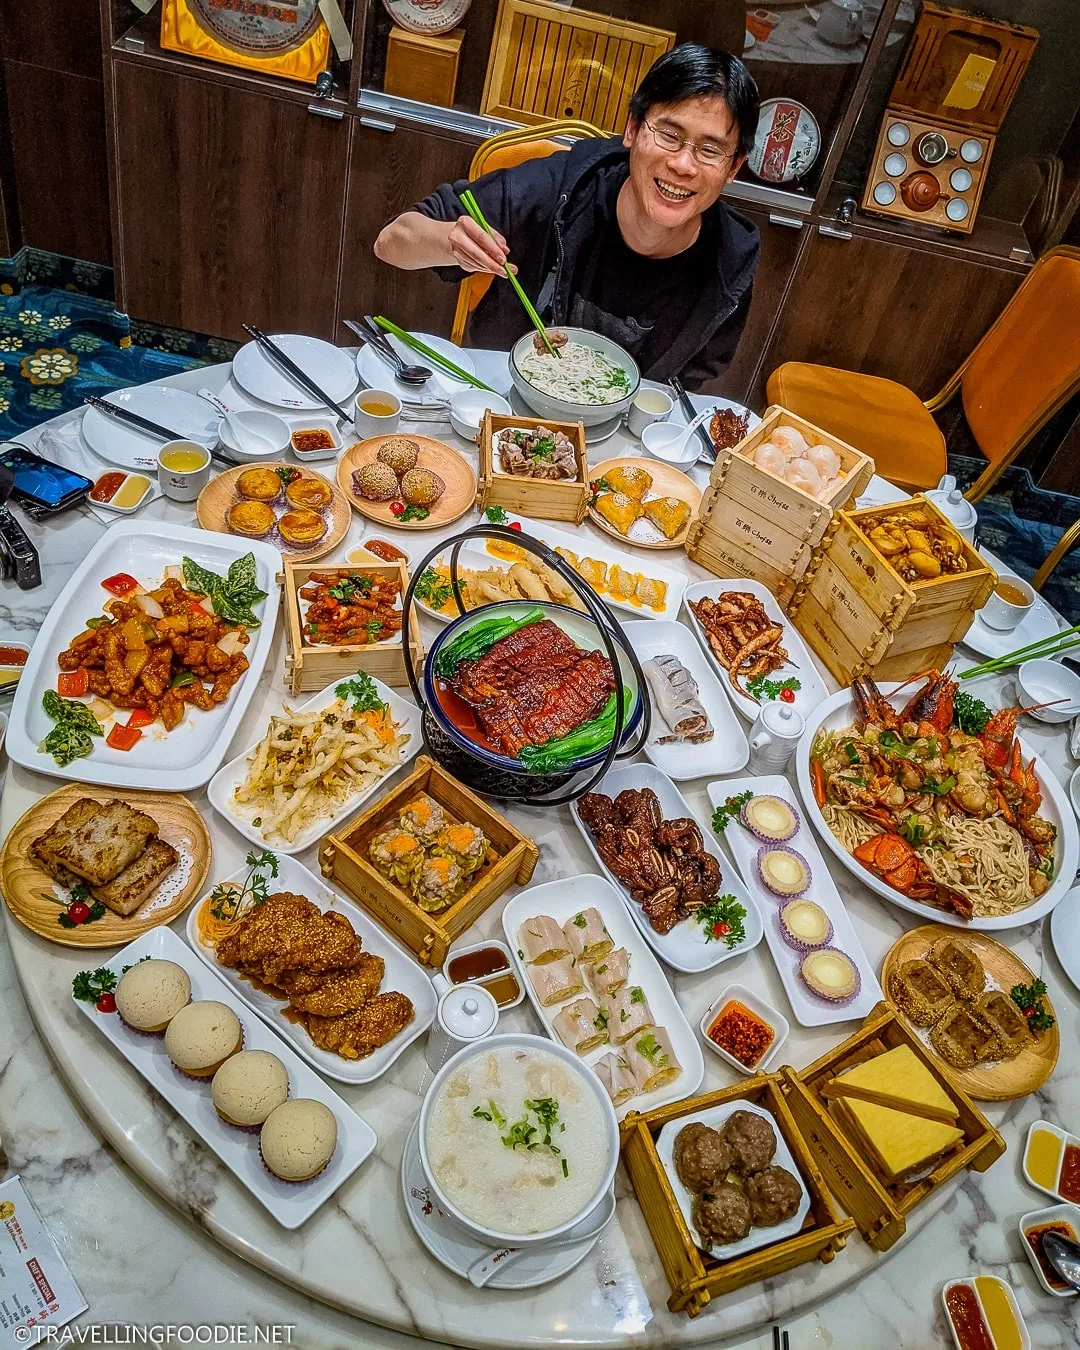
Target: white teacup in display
{"x": 650, "y": 405}
{"x": 183, "y": 469}
{"x": 1009, "y": 604}
{"x": 773, "y": 738}
{"x": 378, "y": 413}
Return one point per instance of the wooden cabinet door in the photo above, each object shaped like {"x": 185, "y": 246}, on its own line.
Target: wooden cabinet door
{"x": 389, "y": 171}
{"x": 230, "y": 205}
{"x": 885, "y": 309}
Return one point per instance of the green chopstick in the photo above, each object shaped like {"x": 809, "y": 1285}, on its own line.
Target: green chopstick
{"x": 1045, "y": 647}
{"x": 470, "y": 204}
{"x": 429, "y": 354}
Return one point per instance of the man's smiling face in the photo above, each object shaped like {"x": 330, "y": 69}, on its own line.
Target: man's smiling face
{"x": 673, "y": 186}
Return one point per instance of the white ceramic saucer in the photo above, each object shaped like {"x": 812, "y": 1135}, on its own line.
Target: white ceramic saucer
{"x": 1065, "y": 934}
{"x": 1041, "y": 622}
{"x": 455, "y": 1249}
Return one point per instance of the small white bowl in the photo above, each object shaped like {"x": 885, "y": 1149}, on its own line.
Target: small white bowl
{"x": 1042, "y": 681}
{"x": 111, "y": 505}
{"x": 659, "y": 439}
{"x": 738, "y": 993}
{"x": 3, "y": 729}
{"x": 268, "y": 425}
{"x": 1064, "y": 1213}
{"x": 317, "y": 423}
{"x": 1010, "y": 1297}
{"x": 467, "y": 408}
{"x": 455, "y": 952}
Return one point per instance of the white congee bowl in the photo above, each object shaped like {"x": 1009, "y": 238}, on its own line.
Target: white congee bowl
{"x": 589, "y": 1080}
{"x": 560, "y": 410}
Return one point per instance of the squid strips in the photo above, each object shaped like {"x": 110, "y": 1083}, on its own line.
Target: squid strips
{"x": 741, "y": 635}
{"x": 675, "y": 694}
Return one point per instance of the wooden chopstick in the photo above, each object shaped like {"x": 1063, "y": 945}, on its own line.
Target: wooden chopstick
{"x": 473, "y": 208}
{"x": 836, "y": 1087}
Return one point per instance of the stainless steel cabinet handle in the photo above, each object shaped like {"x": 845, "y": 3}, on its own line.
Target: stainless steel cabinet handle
{"x": 378, "y": 124}
{"x": 831, "y": 232}
{"x": 325, "y": 110}
{"x": 789, "y": 222}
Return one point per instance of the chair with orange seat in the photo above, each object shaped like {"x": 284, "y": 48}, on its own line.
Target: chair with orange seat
{"x": 1022, "y": 371}
{"x": 504, "y": 152}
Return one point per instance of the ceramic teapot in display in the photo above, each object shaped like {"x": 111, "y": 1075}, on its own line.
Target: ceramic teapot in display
{"x": 840, "y": 22}
{"x": 952, "y": 504}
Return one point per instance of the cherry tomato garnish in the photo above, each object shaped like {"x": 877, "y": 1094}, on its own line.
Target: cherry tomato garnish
{"x": 78, "y": 912}
{"x": 106, "y": 1003}
{"x": 721, "y": 929}
{"x": 515, "y": 525}
{"x": 787, "y": 695}
{"x": 397, "y": 508}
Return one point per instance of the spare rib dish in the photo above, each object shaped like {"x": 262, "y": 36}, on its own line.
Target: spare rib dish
{"x": 539, "y": 453}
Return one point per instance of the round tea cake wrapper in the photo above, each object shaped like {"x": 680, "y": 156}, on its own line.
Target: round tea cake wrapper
{"x": 788, "y": 922}
{"x": 831, "y": 974}
{"x": 770, "y": 819}
{"x": 783, "y": 871}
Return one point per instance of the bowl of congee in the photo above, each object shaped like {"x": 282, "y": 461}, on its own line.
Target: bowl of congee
{"x": 518, "y": 1139}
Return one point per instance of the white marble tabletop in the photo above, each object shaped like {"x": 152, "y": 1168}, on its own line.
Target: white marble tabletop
{"x": 156, "y": 1231}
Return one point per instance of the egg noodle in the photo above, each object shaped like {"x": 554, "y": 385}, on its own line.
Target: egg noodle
{"x": 578, "y": 375}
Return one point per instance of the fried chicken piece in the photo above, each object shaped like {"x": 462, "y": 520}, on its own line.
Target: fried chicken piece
{"x": 357, "y": 1034}
{"x": 346, "y": 992}
{"x": 260, "y": 931}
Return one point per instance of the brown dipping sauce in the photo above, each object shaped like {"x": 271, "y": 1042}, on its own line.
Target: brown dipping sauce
{"x": 1035, "y": 1237}
{"x": 504, "y": 989}
{"x": 967, "y": 1318}
{"x": 461, "y": 715}
{"x": 1069, "y": 1181}
{"x": 386, "y": 551}
{"x": 474, "y": 965}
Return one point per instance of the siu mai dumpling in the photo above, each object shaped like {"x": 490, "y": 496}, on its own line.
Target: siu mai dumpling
{"x": 617, "y": 1077}
{"x": 619, "y": 510}
{"x": 586, "y": 935}
{"x": 555, "y": 982}
{"x": 580, "y": 1026}
{"x": 652, "y": 1059}
{"x": 632, "y": 479}
{"x": 627, "y": 1013}
{"x": 542, "y": 940}
{"x": 668, "y": 514}
{"x": 608, "y": 975}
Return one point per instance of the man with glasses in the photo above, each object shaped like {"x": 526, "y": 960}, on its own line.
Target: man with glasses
{"x": 626, "y": 237}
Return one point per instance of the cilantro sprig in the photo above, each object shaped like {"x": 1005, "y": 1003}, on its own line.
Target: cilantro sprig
{"x": 723, "y": 919}
{"x": 89, "y": 985}
{"x": 760, "y": 687}
{"x": 361, "y": 692}
{"x": 728, "y": 810}
{"x": 1029, "y": 999}
{"x": 228, "y": 901}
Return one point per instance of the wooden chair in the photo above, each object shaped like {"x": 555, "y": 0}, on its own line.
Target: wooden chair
{"x": 503, "y": 152}
{"x": 1022, "y": 371}
{"x": 1064, "y": 546}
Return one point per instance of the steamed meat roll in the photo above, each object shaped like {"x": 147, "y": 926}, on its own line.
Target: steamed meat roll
{"x": 555, "y": 981}
{"x": 586, "y": 935}
{"x": 580, "y": 1026}
{"x": 675, "y": 694}
{"x": 608, "y": 975}
{"x": 542, "y": 940}
{"x": 617, "y": 1077}
{"x": 652, "y": 1059}
{"x": 627, "y": 1013}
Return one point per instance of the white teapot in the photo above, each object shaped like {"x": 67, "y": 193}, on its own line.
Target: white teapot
{"x": 840, "y": 22}
{"x": 952, "y": 503}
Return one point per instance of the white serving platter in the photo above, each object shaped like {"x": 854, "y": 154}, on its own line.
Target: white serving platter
{"x": 561, "y": 900}
{"x": 116, "y": 442}
{"x": 1065, "y": 934}
{"x": 220, "y": 791}
{"x": 475, "y": 555}
{"x": 288, "y": 1203}
{"x": 402, "y": 974}
{"x": 758, "y": 1236}
{"x": 809, "y": 1010}
{"x": 838, "y": 712}
{"x": 260, "y": 376}
{"x": 377, "y": 374}
{"x": 800, "y": 664}
{"x": 728, "y": 750}
{"x": 187, "y": 757}
{"x": 685, "y": 948}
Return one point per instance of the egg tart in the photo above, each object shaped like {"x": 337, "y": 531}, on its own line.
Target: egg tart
{"x": 260, "y": 485}
{"x": 309, "y": 493}
{"x": 302, "y": 528}
{"x": 831, "y": 974}
{"x": 254, "y": 519}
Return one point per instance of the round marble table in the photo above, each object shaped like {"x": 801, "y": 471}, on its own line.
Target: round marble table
{"x": 358, "y": 1254}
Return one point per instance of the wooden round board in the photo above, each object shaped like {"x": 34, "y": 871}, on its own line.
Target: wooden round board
{"x": 1004, "y": 1079}
{"x": 455, "y": 471}
{"x": 221, "y": 493}
{"x": 667, "y": 482}
{"x": 33, "y": 897}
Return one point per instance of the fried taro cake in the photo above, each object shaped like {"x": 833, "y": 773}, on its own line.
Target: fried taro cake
{"x": 964, "y": 1040}
{"x": 961, "y": 968}
{"x": 920, "y": 991}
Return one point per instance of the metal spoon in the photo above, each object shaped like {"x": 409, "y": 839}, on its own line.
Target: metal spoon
{"x": 247, "y": 441}
{"x": 376, "y": 339}
{"x": 1064, "y": 1255}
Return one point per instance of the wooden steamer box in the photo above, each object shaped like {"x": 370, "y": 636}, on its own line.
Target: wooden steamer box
{"x": 343, "y": 856}
{"x": 859, "y": 615}
{"x": 695, "y": 1277}
{"x": 753, "y": 524}
{"x": 879, "y": 1208}
{"x": 540, "y": 498}
{"x": 310, "y": 668}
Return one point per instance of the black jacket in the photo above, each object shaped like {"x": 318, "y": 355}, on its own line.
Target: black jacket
{"x": 549, "y": 210}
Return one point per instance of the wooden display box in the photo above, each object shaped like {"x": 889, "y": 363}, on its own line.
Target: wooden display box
{"x": 423, "y": 66}
{"x": 880, "y": 1209}
{"x": 540, "y": 498}
{"x": 859, "y": 615}
{"x": 512, "y": 857}
{"x": 753, "y": 524}
{"x": 309, "y": 668}
{"x": 695, "y": 1277}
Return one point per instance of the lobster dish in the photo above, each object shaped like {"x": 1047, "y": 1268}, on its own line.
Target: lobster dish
{"x": 944, "y": 815}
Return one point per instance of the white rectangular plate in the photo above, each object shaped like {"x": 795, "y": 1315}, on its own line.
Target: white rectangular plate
{"x": 402, "y": 974}
{"x": 187, "y": 757}
{"x": 800, "y": 664}
{"x": 561, "y": 900}
{"x": 220, "y": 792}
{"x": 685, "y": 948}
{"x": 583, "y": 546}
{"x": 288, "y": 1203}
{"x": 728, "y": 750}
{"x": 809, "y": 1010}
{"x": 715, "y": 1117}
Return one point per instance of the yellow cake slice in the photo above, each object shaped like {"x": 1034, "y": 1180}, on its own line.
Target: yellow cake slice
{"x": 901, "y": 1077}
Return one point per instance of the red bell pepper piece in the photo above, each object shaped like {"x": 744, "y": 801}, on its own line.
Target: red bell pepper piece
{"x": 122, "y": 737}
{"x": 120, "y": 584}
{"x": 73, "y": 683}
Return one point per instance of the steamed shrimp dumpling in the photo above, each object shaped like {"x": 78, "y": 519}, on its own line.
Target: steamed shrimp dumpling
{"x": 790, "y": 440}
{"x": 825, "y": 459}
{"x": 801, "y": 473}
{"x": 770, "y": 458}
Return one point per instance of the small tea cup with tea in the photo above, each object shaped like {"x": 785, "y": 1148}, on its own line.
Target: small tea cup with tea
{"x": 1009, "y": 604}
{"x": 183, "y": 469}
{"x": 378, "y": 412}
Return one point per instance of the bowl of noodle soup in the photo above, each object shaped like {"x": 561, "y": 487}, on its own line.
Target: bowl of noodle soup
{"x": 592, "y": 382}
{"x": 995, "y": 847}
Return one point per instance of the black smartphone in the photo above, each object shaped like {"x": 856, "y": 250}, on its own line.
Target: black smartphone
{"x": 45, "y": 487}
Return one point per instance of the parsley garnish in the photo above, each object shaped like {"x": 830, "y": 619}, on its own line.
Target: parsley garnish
{"x": 969, "y": 713}
{"x": 723, "y": 918}
{"x": 227, "y": 901}
{"x": 361, "y": 690}
{"x": 729, "y": 810}
{"x": 89, "y": 985}
{"x": 414, "y": 512}
{"x": 761, "y": 687}
{"x": 433, "y": 590}
{"x": 1029, "y": 999}
{"x": 496, "y": 515}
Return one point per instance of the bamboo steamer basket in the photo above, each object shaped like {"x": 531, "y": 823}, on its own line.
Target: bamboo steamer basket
{"x": 539, "y": 498}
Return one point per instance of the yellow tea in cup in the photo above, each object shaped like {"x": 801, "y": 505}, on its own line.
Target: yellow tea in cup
{"x": 183, "y": 460}
{"x": 377, "y": 407}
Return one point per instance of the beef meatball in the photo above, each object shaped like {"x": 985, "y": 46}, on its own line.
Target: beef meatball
{"x": 721, "y": 1215}
{"x": 752, "y": 1141}
{"x": 774, "y": 1195}
{"x": 701, "y": 1157}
